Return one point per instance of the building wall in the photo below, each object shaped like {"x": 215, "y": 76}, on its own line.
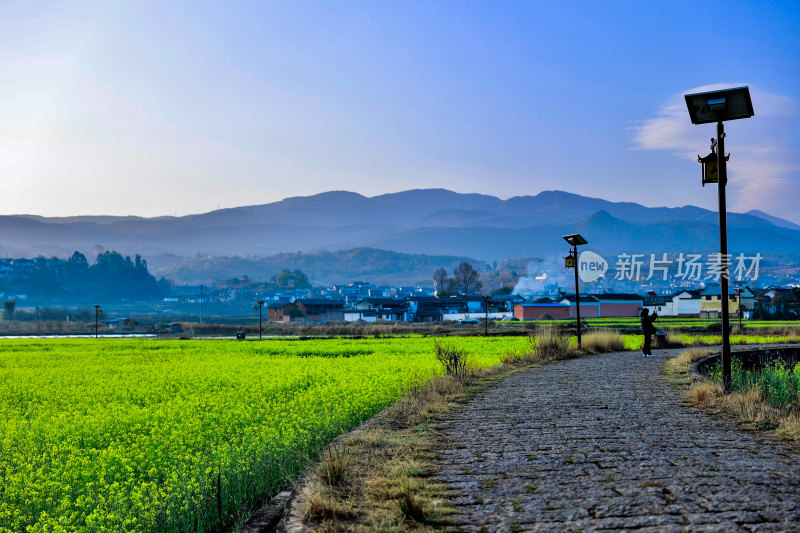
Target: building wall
{"x": 497, "y": 315}
{"x": 332, "y": 316}
{"x": 618, "y": 309}
{"x": 588, "y": 310}
{"x": 535, "y": 311}
{"x": 687, "y": 306}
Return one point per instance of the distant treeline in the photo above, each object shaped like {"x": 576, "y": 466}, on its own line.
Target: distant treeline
{"x": 111, "y": 277}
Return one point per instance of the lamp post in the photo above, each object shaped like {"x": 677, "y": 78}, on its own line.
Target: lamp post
{"x": 201, "y": 303}
{"x": 97, "y": 311}
{"x": 707, "y": 108}
{"x": 260, "y": 305}
{"x": 486, "y": 319}
{"x": 739, "y": 292}
{"x": 571, "y": 261}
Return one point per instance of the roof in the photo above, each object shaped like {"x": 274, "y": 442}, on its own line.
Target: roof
{"x": 619, "y": 296}
{"x": 653, "y": 299}
{"x": 507, "y": 298}
{"x": 319, "y": 301}
{"x": 278, "y": 305}
{"x": 393, "y": 302}
{"x": 588, "y": 298}
{"x": 693, "y": 294}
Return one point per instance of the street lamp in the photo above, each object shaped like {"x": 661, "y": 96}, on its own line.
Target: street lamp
{"x": 706, "y": 108}
{"x": 97, "y": 312}
{"x": 260, "y": 305}
{"x": 739, "y": 292}
{"x": 571, "y": 261}
{"x": 486, "y": 298}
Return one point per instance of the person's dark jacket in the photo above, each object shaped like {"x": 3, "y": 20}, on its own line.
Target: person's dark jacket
{"x": 647, "y": 323}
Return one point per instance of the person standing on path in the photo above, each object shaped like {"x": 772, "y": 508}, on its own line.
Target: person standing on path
{"x": 648, "y": 329}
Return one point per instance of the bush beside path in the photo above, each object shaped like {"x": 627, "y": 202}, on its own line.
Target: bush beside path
{"x": 604, "y": 442}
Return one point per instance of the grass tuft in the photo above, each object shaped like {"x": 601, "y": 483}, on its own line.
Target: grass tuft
{"x": 602, "y": 340}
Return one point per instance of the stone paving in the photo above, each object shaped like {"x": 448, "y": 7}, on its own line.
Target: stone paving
{"x": 604, "y": 443}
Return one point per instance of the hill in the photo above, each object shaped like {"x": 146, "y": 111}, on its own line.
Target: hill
{"x": 416, "y": 224}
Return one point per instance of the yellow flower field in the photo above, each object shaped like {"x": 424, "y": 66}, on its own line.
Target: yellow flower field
{"x": 147, "y": 435}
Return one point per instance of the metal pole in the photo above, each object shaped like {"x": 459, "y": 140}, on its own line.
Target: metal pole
{"x": 577, "y": 294}
{"x": 486, "y": 321}
{"x": 259, "y": 320}
{"x": 201, "y": 303}
{"x": 740, "y": 314}
{"x": 96, "y": 312}
{"x": 723, "y": 250}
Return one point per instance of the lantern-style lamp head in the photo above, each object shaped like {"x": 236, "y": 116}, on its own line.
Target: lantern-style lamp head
{"x": 569, "y": 261}
{"x": 718, "y": 106}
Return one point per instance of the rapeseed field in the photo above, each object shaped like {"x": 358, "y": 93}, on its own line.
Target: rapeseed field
{"x": 149, "y": 435}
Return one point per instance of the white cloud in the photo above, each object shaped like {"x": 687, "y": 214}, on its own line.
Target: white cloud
{"x": 764, "y": 169}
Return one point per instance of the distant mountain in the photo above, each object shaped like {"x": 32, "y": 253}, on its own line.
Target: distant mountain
{"x": 780, "y": 222}
{"x": 423, "y": 221}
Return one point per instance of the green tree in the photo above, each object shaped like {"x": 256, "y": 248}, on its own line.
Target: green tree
{"x": 9, "y": 306}
{"x": 287, "y": 279}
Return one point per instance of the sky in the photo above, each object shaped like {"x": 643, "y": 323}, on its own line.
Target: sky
{"x": 170, "y": 108}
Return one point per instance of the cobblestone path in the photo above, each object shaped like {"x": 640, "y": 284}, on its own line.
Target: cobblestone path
{"x": 604, "y": 443}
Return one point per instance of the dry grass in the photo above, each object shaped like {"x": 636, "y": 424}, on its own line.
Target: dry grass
{"x": 602, "y": 341}
{"x": 745, "y": 407}
{"x": 549, "y": 344}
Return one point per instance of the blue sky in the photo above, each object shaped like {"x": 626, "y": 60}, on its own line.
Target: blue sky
{"x": 169, "y": 108}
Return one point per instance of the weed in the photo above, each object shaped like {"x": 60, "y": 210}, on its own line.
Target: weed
{"x": 333, "y": 471}
{"x": 409, "y": 504}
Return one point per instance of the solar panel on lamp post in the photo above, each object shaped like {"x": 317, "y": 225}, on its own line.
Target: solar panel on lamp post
{"x": 707, "y": 108}
{"x": 571, "y": 261}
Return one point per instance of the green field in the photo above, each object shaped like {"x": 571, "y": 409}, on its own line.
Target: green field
{"x": 146, "y": 435}
{"x": 670, "y": 322}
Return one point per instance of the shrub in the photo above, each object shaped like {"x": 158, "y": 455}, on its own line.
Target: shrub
{"x": 779, "y": 385}
{"x": 453, "y": 359}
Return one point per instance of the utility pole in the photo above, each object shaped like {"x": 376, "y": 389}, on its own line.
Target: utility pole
{"x": 260, "y": 304}
{"x": 96, "y": 319}
{"x": 486, "y": 320}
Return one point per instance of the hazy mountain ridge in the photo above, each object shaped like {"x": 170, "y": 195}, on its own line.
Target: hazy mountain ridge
{"x": 422, "y": 221}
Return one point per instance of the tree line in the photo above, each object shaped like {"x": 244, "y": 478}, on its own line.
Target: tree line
{"x": 111, "y": 277}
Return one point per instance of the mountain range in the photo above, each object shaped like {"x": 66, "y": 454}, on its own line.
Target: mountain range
{"x": 422, "y": 221}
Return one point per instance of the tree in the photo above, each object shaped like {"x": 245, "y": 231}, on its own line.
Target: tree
{"x": 9, "y": 306}
{"x": 503, "y": 291}
{"x": 287, "y": 279}
{"x": 466, "y": 278}
{"x": 440, "y": 280}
